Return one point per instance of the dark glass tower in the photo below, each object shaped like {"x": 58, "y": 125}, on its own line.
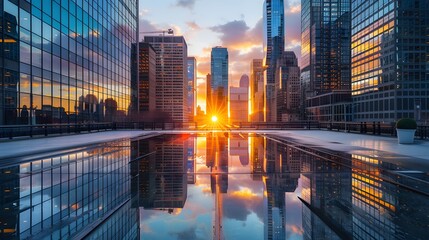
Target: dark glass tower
{"x": 218, "y": 102}
{"x": 65, "y": 61}
{"x": 390, "y": 70}
{"x": 274, "y": 42}
{"x": 325, "y": 67}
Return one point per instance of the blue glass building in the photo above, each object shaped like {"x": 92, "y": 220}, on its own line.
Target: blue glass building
{"x": 65, "y": 61}
{"x": 218, "y": 102}
{"x": 192, "y": 86}
{"x": 274, "y": 42}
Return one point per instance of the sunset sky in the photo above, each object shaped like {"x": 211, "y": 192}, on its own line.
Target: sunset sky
{"x": 235, "y": 24}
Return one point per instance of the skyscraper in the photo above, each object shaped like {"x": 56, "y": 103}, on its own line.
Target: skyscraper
{"x": 239, "y": 101}
{"x": 390, "y": 71}
{"x": 64, "y": 56}
{"x": 274, "y": 42}
{"x": 219, "y": 83}
{"x": 325, "y": 68}
{"x": 146, "y": 78}
{"x": 288, "y": 90}
{"x": 257, "y": 90}
{"x": 171, "y": 75}
{"x": 192, "y": 87}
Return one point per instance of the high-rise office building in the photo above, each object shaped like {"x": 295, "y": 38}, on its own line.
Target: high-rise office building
{"x": 257, "y": 90}
{"x": 239, "y": 101}
{"x": 288, "y": 89}
{"x": 390, "y": 71}
{"x": 325, "y": 67}
{"x": 171, "y": 75}
{"x": 218, "y": 102}
{"x": 61, "y": 61}
{"x": 192, "y": 87}
{"x": 145, "y": 97}
{"x": 274, "y": 42}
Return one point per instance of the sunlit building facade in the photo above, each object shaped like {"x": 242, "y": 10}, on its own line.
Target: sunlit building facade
{"x": 171, "y": 76}
{"x": 192, "y": 87}
{"x": 256, "y": 91}
{"x": 274, "y": 42}
{"x": 65, "y": 61}
{"x": 390, "y": 71}
{"x": 325, "y": 66}
{"x": 218, "y": 102}
{"x": 239, "y": 101}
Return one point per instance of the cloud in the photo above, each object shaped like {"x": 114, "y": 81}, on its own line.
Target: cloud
{"x": 239, "y": 204}
{"x": 186, "y": 3}
{"x": 186, "y": 234}
{"x": 193, "y": 25}
{"x": 238, "y": 35}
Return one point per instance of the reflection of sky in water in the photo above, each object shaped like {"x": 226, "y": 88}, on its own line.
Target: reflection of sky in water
{"x": 242, "y": 206}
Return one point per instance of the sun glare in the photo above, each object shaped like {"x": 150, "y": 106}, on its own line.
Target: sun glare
{"x": 214, "y": 119}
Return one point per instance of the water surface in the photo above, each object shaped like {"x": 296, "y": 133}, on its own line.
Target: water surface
{"x": 213, "y": 186}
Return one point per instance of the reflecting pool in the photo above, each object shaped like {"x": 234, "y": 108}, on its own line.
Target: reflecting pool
{"x": 212, "y": 186}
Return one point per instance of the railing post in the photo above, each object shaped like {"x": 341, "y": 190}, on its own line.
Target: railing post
{"x": 378, "y": 128}
{"x": 31, "y": 131}
{"x": 373, "y": 128}
{"x": 46, "y": 129}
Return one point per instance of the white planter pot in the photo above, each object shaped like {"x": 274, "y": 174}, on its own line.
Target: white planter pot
{"x": 405, "y": 135}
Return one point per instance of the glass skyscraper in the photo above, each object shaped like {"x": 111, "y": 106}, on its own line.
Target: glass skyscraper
{"x": 192, "y": 86}
{"x": 390, "y": 70}
{"x": 218, "y": 104}
{"x": 274, "y": 42}
{"x": 65, "y": 61}
{"x": 325, "y": 67}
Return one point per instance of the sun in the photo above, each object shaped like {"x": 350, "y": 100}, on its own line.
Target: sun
{"x": 214, "y": 119}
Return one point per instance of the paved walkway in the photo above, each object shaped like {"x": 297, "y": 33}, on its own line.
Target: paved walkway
{"x": 13, "y": 149}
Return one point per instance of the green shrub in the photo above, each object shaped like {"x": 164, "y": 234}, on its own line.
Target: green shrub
{"x": 406, "y": 123}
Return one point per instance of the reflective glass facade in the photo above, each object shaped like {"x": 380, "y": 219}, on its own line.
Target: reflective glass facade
{"x": 390, "y": 71}
{"x": 325, "y": 36}
{"x": 65, "y": 61}
{"x": 64, "y": 196}
{"x": 219, "y": 82}
{"x": 274, "y": 42}
{"x": 192, "y": 87}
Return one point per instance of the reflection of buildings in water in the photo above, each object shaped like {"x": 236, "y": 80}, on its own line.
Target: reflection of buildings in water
{"x": 72, "y": 192}
{"x": 9, "y": 202}
{"x": 283, "y": 163}
{"x": 162, "y": 176}
{"x": 239, "y": 146}
{"x": 326, "y": 196}
{"x": 382, "y": 209}
{"x": 257, "y": 151}
{"x": 217, "y": 160}
{"x": 340, "y": 202}
{"x": 191, "y": 160}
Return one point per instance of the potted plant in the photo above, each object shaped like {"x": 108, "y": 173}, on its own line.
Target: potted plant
{"x": 406, "y": 128}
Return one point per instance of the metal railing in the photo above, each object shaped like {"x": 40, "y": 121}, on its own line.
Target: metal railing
{"x": 13, "y": 131}
{"x": 374, "y": 128}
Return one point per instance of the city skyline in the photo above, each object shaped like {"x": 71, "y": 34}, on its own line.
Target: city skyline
{"x": 240, "y": 29}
